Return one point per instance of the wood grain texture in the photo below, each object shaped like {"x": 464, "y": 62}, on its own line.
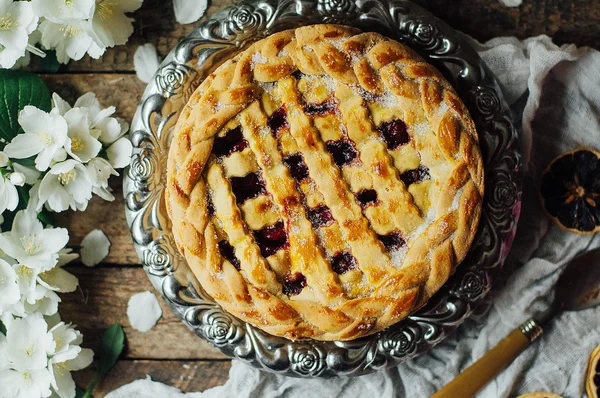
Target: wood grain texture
{"x": 567, "y": 21}
{"x": 188, "y": 376}
{"x": 102, "y": 301}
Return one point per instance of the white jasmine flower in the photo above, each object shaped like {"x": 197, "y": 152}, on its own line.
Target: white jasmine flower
{"x": 26, "y": 278}
{"x": 31, "y": 174}
{"x": 34, "y": 38}
{"x": 29, "y": 243}
{"x": 146, "y": 62}
{"x": 100, "y": 170}
{"x": 189, "y": 11}
{"x": 44, "y": 135}
{"x": 61, "y": 11}
{"x": 110, "y": 26}
{"x": 119, "y": 153}
{"x": 58, "y": 279}
{"x": 4, "y": 359}
{"x": 17, "y": 179}
{"x": 143, "y": 311}
{"x": 3, "y": 159}
{"x": 69, "y": 39}
{"x": 94, "y": 248}
{"x": 80, "y": 144}
{"x": 61, "y": 107}
{"x": 9, "y": 197}
{"x": 9, "y": 287}
{"x": 17, "y": 22}
{"x": 60, "y": 336}
{"x": 26, "y": 339}
{"x": 47, "y": 305}
{"x": 65, "y": 256}
{"x": 103, "y": 126}
{"x": 66, "y": 185}
{"x": 25, "y": 383}
{"x": 61, "y": 365}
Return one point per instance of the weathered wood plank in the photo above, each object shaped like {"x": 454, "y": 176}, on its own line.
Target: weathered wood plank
{"x": 102, "y": 301}
{"x": 188, "y": 376}
{"x": 567, "y": 21}
{"x": 123, "y": 90}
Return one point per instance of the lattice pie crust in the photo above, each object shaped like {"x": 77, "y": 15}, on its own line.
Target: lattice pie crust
{"x": 324, "y": 183}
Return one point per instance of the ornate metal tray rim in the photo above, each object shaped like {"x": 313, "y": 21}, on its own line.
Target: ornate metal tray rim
{"x": 227, "y": 32}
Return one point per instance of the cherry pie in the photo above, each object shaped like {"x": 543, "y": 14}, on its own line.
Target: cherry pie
{"x": 324, "y": 183}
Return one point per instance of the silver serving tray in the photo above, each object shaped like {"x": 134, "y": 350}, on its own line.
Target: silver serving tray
{"x": 226, "y": 33}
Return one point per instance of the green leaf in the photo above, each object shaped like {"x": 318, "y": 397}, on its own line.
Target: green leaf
{"x": 79, "y": 392}
{"x": 113, "y": 341}
{"x": 46, "y": 217}
{"x": 2, "y": 328}
{"x": 17, "y": 90}
{"x": 50, "y": 64}
{"x": 27, "y": 162}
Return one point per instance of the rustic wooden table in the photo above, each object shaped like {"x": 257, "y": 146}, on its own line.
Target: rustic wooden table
{"x": 171, "y": 353}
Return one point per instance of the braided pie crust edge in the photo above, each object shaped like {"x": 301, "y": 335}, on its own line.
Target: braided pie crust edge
{"x": 370, "y": 61}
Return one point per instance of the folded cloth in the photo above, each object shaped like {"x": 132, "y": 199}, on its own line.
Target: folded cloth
{"x": 555, "y": 95}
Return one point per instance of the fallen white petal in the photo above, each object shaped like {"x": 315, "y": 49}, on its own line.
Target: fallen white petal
{"x": 189, "y": 11}
{"x": 94, "y": 248}
{"x": 511, "y": 3}
{"x": 146, "y": 62}
{"x": 143, "y": 311}
{"x": 146, "y": 388}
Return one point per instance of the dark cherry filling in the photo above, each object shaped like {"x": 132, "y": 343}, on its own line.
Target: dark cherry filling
{"x": 395, "y": 133}
{"x": 598, "y": 369}
{"x": 232, "y": 142}
{"x": 247, "y": 187}
{"x": 392, "y": 241}
{"x": 417, "y": 175}
{"x": 271, "y": 238}
{"x": 297, "y": 74}
{"x": 278, "y": 120}
{"x": 210, "y": 207}
{"x": 293, "y": 284}
{"x": 319, "y": 216}
{"x": 227, "y": 251}
{"x": 324, "y": 108}
{"x": 298, "y": 168}
{"x": 366, "y": 197}
{"x": 343, "y": 262}
{"x": 343, "y": 151}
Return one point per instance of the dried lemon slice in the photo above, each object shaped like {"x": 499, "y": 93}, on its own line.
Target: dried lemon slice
{"x": 570, "y": 191}
{"x": 540, "y": 395}
{"x": 592, "y": 382}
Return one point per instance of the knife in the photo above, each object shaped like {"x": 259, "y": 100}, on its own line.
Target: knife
{"x": 577, "y": 288}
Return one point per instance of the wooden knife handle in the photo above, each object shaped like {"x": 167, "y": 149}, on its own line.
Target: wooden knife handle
{"x": 479, "y": 374}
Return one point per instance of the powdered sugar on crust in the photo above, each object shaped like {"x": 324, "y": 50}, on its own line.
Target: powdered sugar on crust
{"x": 419, "y": 129}
{"x": 456, "y": 200}
{"x": 258, "y": 58}
{"x": 397, "y": 256}
{"x": 269, "y": 88}
{"x": 325, "y": 80}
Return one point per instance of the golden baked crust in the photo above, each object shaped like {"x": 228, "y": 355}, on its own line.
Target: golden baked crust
{"x": 390, "y": 204}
